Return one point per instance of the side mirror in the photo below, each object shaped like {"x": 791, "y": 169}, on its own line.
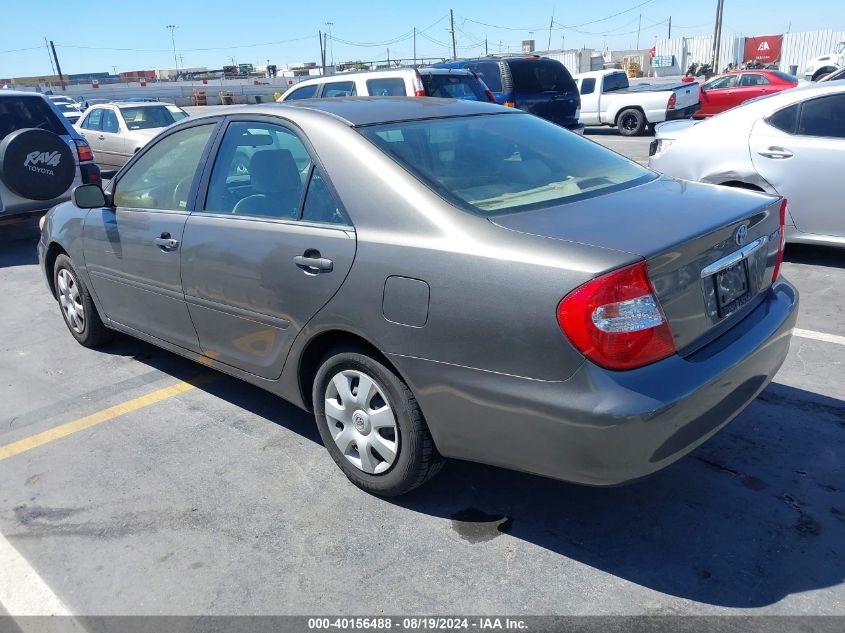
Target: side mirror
{"x": 89, "y": 197}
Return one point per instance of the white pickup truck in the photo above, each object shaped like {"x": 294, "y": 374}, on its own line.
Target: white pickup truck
{"x": 608, "y": 99}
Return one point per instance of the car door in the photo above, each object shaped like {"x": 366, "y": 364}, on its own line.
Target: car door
{"x": 751, "y": 86}
{"x": 589, "y": 101}
{"x": 132, "y": 249}
{"x": 91, "y": 132}
{"x": 265, "y": 250}
{"x": 111, "y": 140}
{"x": 799, "y": 150}
{"x": 717, "y": 95}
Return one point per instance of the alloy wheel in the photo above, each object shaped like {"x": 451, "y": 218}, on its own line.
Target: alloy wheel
{"x": 361, "y": 421}
{"x": 71, "y": 300}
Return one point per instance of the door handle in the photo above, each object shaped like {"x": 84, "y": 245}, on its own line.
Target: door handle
{"x": 776, "y": 153}
{"x": 313, "y": 264}
{"x": 165, "y": 242}
{"x": 101, "y": 137}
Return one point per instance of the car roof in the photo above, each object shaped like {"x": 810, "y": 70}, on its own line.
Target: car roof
{"x": 20, "y": 93}
{"x": 386, "y": 72}
{"x": 360, "y": 111}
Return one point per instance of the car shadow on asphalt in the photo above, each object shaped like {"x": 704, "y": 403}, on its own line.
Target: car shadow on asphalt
{"x": 752, "y": 516}
{"x": 18, "y": 239}
{"x": 813, "y": 255}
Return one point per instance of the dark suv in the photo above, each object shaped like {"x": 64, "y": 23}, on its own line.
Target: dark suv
{"x": 538, "y": 85}
{"x": 42, "y": 157}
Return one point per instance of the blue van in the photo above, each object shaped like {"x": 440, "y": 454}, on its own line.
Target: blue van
{"x": 538, "y": 85}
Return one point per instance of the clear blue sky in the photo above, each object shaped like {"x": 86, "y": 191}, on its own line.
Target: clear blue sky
{"x": 253, "y": 31}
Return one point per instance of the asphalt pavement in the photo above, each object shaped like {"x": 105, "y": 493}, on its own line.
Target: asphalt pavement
{"x": 133, "y": 491}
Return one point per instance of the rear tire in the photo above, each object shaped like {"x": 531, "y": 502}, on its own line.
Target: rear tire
{"x": 631, "y": 122}
{"x": 377, "y": 437}
{"x": 78, "y": 310}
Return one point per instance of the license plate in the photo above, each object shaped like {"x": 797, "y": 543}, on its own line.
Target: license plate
{"x": 731, "y": 287}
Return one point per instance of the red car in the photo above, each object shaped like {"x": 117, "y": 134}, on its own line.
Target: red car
{"x": 729, "y": 90}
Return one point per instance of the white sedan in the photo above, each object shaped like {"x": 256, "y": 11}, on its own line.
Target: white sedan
{"x": 791, "y": 143}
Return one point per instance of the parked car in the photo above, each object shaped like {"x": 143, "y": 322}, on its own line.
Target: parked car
{"x": 608, "y": 99}
{"x": 437, "y": 278}
{"x": 538, "y": 85}
{"x": 837, "y": 75}
{"x": 42, "y": 158}
{"x": 117, "y": 130}
{"x": 87, "y": 103}
{"x": 63, "y": 99}
{"x": 733, "y": 88}
{"x": 790, "y": 143}
{"x": 69, "y": 111}
{"x": 397, "y": 82}
{"x": 820, "y": 67}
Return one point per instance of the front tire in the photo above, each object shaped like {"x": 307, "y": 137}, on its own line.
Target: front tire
{"x": 371, "y": 424}
{"x": 631, "y": 122}
{"x": 78, "y": 310}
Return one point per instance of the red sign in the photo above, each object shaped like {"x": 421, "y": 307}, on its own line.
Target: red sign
{"x": 763, "y": 48}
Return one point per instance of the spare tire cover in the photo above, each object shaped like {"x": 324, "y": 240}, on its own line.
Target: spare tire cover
{"x": 36, "y": 164}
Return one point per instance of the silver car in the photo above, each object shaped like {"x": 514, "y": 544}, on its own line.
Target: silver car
{"x": 117, "y": 130}
{"x": 437, "y": 278}
{"x": 791, "y": 144}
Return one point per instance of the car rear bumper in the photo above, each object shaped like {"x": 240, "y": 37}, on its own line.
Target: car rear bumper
{"x": 603, "y": 427}
{"x": 683, "y": 113}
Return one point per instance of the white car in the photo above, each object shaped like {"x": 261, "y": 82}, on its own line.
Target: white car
{"x": 823, "y": 65}
{"x": 791, "y": 143}
{"x": 608, "y": 99}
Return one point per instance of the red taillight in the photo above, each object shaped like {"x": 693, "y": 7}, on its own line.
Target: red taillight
{"x": 672, "y": 101}
{"x": 490, "y": 96}
{"x": 83, "y": 150}
{"x": 782, "y": 244}
{"x": 419, "y": 89}
{"x": 616, "y": 320}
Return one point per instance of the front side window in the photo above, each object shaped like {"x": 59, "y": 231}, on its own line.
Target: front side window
{"x": 94, "y": 121}
{"x": 728, "y": 81}
{"x": 306, "y": 92}
{"x": 388, "y": 87}
{"x": 588, "y": 86}
{"x": 161, "y": 178}
{"x": 824, "y": 116}
{"x": 494, "y": 164}
{"x": 260, "y": 170}
{"x": 339, "y": 89}
{"x": 753, "y": 79}
{"x": 110, "y": 122}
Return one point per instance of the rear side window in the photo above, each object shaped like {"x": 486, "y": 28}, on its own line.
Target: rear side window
{"x": 320, "y": 204}
{"x": 540, "y": 75}
{"x": 110, "y": 122}
{"x": 339, "y": 89}
{"x": 490, "y": 74}
{"x": 23, "y": 112}
{"x": 588, "y": 86}
{"x": 463, "y": 87}
{"x": 824, "y": 116}
{"x": 753, "y": 79}
{"x": 387, "y": 87}
{"x": 306, "y": 92}
{"x": 785, "y": 120}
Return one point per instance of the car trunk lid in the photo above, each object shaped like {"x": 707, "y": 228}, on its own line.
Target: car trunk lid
{"x": 706, "y": 270}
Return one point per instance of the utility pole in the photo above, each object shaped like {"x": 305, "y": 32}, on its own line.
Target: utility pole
{"x": 52, "y": 66}
{"x": 670, "y": 27}
{"x": 322, "y": 51}
{"x": 58, "y": 67}
{"x": 486, "y": 52}
{"x": 717, "y": 34}
{"x": 172, "y": 28}
{"x": 329, "y": 25}
{"x": 454, "y": 44}
{"x": 551, "y": 24}
{"x": 639, "y": 24}
{"x": 415, "y": 47}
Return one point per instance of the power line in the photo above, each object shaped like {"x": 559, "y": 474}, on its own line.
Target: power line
{"x": 186, "y": 50}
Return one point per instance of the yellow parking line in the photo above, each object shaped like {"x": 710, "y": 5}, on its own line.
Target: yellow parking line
{"x": 105, "y": 415}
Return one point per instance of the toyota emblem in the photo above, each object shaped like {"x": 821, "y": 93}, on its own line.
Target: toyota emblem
{"x": 740, "y": 234}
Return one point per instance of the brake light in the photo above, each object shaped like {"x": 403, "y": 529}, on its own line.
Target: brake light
{"x": 616, "y": 320}
{"x": 490, "y": 96}
{"x": 83, "y": 150}
{"x": 672, "y": 101}
{"x": 782, "y": 244}
{"x": 510, "y": 104}
{"x": 419, "y": 89}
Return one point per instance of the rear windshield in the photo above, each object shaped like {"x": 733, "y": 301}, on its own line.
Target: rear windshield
{"x": 152, "y": 116}
{"x": 464, "y": 87}
{"x": 22, "y": 112}
{"x": 784, "y": 76}
{"x": 494, "y": 164}
{"x": 540, "y": 75}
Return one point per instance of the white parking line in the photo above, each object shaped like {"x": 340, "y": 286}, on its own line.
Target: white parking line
{"x": 22, "y": 590}
{"x": 819, "y": 336}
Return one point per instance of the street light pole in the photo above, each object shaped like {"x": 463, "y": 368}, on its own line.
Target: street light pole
{"x": 329, "y": 25}
{"x": 172, "y": 28}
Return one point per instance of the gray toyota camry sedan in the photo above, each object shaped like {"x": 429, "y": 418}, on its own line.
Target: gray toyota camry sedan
{"x": 436, "y": 279}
